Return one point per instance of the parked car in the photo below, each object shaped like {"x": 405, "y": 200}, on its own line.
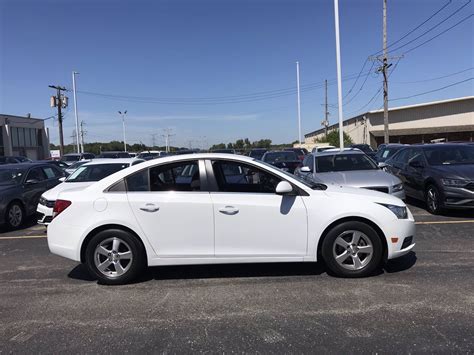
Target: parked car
{"x": 350, "y": 167}
{"x": 143, "y": 216}
{"x": 257, "y": 153}
{"x": 14, "y": 160}
{"x": 441, "y": 175}
{"x": 21, "y": 186}
{"x": 152, "y": 154}
{"x": 60, "y": 164}
{"x": 386, "y": 151}
{"x": 300, "y": 152}
{"x": 113, "y": 155}
{"x": 367, "y": 149}
{"x": 72, "y": 168}
{"x": 321, "y": 149}
{"x": 82, "y": 177}
{"x": 228, "y": 151}
{"x": 73, "y": 157}
{"x": 285, "y": 160}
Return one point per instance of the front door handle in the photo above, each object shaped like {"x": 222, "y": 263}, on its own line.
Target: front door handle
{"x": 150, "y": 207}
{"x": 229, "y": 210}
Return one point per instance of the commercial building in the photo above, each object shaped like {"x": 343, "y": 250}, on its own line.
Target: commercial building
{"x": 23, "y": 136}
{"x": 447, "y": 120}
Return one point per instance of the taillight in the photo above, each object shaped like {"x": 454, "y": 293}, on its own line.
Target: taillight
{"x": 59, "y": 206}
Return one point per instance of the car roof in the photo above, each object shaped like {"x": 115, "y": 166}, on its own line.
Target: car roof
{"x": 98, "y": 161}
{"x": 23, "y": 165}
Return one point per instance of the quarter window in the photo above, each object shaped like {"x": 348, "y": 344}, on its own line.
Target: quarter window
{"x": 238, "y": 177}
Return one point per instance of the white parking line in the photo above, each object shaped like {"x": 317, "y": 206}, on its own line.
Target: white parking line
{"x": 447, "y": 222}
{"x": 24, "y": 237}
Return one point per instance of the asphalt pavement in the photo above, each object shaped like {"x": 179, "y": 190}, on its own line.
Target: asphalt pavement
{"x": 422, "y": 302}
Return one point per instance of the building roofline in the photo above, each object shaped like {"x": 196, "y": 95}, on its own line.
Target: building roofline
{"x": 23, "y": 117}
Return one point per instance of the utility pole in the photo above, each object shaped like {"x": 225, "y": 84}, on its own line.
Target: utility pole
{"x": 59, "y": 101}
{"x": 167, "y": 134}
{"x": 299, "y": 102}
{"x": 75, "y": 108}
{"x": 123, "y": 126}
{"x": 73, "y": 136}
{"x": 153, "y": 139}
{"x": 83, "y": 132}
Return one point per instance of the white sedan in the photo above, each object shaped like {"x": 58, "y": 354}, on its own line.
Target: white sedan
{"x": 223, "y": 208}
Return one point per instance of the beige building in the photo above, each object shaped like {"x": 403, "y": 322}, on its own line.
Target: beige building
{"x": 449, "y": 120}
{"x": 23, "y": 136}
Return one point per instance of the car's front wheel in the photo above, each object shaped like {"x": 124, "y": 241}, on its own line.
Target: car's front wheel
{"x": 115, "y": 257}
{"x": 352, "y": 249}
{"x": 15, "y": 215}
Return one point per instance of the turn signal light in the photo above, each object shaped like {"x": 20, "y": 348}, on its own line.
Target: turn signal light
{"x": 394, "y": 240}
{"x": 59, "y": 206}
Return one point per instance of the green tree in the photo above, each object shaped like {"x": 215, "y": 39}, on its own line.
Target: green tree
{"x": 333, "y": 138}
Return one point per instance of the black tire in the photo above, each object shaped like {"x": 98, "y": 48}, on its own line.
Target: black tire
{"x": 14, "y": 215}
{"x": 346, "y": 266}
{"x": 433, "y": 199}
{"x": 113, "y": 274}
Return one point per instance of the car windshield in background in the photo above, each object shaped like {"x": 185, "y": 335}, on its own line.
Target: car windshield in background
{"x": 257, "y": 154}
{"x": 95, "y": 172}
{"x": 344, "y": 162}
{"x": 71, "y": 158}
{"x": 388, "y": 152}
{"x": 312, "y": 182}
{"x": 76, "y": 165}
{"x": 276, "y": 157}
{"x": 449, "y": 155}
{"x": 11, "y": 176}
{"x": 363, "y": 147}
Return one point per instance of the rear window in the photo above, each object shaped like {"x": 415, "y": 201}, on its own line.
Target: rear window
{"x": 95, "y": 172}
{"x": 279, "y": 157}
{"x": 344, "y": 162}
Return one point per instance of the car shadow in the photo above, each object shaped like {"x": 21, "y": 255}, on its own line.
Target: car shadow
{"x": 455, "y": 213}
{"x": 229, "y": 271}
{"x": 28, "y": 223}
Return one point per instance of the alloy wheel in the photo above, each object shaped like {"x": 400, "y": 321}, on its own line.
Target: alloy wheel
{"x": 432, "y": 199}
{"x": 353, "y": 250}
{"x": 113, "y": 257}
{"x": 15, "y": 215}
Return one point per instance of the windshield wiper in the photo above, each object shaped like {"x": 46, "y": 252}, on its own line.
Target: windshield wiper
{"x": 318, "y": 186}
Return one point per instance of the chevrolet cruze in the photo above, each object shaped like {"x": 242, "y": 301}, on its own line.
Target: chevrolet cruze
{"x": 223, "y": 208}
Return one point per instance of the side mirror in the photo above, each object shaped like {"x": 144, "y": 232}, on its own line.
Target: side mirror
{"x": 62, "y": 179}
{"x": 305, "y": 169}
{"x": 32, "y": 181}
{"x": 284, "y": 188}
{"x": 415, "y": 164}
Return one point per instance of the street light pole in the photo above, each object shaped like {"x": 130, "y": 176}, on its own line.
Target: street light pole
{"x": 298, "y": 100}
{"x": 75, "y": 109}
{"x": 338, "y": 64}
{"x": 123, "y": 126}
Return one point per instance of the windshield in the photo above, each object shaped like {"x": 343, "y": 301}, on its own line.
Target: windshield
{"x": 276, "y": 157}
{"x": 95, "y": 172}
{"x": 449, "y": 155}
{"x": 78, "y": 164}
{"x": 257, "y": 154}
{"x": 11, "y": 176}
{"x": 389, "y": 151}
{"x": 363, "y": 147}
{"x": 344, "y": 162}
{"x": 71, "y": 158}
{"x": 313, "y": 182}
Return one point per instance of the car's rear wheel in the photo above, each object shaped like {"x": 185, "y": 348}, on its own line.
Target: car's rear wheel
{"x": 115, "y": 257}
{"x": 15, "y": 215}
{"x": 352, "y": 249}
{"x": 432, "y": 199}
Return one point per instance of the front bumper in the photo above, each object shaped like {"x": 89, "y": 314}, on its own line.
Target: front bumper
{"x": 44, "y": 214}
{"x": 401, "y": 237}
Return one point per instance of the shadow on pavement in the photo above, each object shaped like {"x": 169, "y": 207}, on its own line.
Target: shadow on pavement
{"x": 400, "y": 264}
{"x": 29, "y": 222}
{"x": 461, "y": 213}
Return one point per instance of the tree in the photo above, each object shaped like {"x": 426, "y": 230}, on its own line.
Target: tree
{"x": 333, "y": 138}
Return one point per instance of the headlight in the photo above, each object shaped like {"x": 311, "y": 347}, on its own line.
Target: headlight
{"x": 454, "y": 182}
{"x": 42, "y": 201}
{"x": 397, "y": 187}
{"x": 400, "y": 212}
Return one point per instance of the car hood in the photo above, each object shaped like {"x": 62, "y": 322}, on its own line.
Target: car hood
{"x": 361, "y": 178}
{"x": 455, "y": 171}
{"x": 366, "y": 195}
{"x": 52, "y": 195}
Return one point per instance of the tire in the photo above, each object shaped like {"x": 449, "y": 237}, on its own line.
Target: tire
{"x": 352, "y": 249}
{"x": 432, "y": 199}
{"x": 115, "y": 257}
{"x": 14, "y": 215}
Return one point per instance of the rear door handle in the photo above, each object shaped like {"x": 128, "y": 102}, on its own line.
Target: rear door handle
{"x": 150, "y": 207}
{"x": 229, "y": 210}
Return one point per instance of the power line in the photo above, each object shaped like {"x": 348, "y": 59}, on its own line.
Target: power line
{"x": 358, "y": 76}
{"x": 434, "y": 90}
{"x": 432, "y": 79}
{"x": 432, "y": 28}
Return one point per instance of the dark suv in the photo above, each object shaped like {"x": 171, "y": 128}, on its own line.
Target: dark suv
{"x": 442, "y": 175}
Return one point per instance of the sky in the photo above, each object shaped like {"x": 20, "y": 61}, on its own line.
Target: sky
{"x": 218, "y": 70}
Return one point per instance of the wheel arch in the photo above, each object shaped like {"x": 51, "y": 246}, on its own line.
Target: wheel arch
{"x": 372, "y": 224}
{"x": 101, "y": 228}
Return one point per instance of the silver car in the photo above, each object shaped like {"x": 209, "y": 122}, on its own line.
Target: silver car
{"x": 350, "y": 167}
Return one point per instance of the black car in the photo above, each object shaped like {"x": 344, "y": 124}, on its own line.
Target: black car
{"x": 21, "y": 186}
{"x": 227, "y": 151}
{"x": 257, "y": 153}
{"x": 300, "y": 152}
{"x": 367, "y": 149}
{"x": 71, "y": 158}
{"x": 60, "y": 164}
{"x": 386, "y": 151}
{"x": 442, "y": 175}
{"x": 14, "y": 160}
{"x": 285, "y": 160}
{"x": 113, "y": 155}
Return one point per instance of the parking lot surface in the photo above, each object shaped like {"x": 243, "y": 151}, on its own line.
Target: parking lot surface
{"x": 423, "y": 302}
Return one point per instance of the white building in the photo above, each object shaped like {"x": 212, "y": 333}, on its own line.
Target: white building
{"x": 449, "y": 120}
{"x": 23, "y": 136}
